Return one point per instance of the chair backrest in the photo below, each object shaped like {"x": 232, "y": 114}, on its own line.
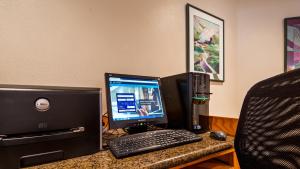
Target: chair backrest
{"x": 268, "y": 132}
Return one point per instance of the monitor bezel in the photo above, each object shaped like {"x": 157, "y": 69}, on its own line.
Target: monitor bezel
{"x": 131, "y": 123}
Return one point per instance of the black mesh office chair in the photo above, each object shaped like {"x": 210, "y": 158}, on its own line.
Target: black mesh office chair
{"x": 268, "y": 133}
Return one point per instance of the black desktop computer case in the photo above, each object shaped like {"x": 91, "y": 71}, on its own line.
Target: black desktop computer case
{"x": 180, "y": 92}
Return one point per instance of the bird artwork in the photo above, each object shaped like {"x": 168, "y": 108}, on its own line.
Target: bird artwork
{"x": 206, "y": 46}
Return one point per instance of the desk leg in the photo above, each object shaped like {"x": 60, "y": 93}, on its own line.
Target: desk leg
{"x": 235, "y": 161}
{"x": 230, "y": 159}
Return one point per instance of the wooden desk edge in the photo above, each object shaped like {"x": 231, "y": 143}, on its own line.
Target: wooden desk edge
{"x": 226, "y": 124}
{"x": 211, "y": 156}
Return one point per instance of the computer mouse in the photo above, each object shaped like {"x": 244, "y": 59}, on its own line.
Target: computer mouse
{"x": 218, "y": 135}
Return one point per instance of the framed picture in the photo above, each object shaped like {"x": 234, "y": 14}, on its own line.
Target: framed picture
{"x": 205, "y": 43}
{"x": 291, "y": 43}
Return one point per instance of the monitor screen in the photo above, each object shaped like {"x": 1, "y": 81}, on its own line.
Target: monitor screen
{"x": 133, "y": 99}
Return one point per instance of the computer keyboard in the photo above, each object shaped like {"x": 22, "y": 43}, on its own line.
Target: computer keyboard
{"x": 150, "y": 141}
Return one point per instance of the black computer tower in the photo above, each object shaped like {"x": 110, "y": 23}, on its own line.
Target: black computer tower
{"x": 186, "y": 98}
{"x": 45, "y": 124}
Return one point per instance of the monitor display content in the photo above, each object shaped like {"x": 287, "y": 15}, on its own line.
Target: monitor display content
{"x": 135, "y": 99}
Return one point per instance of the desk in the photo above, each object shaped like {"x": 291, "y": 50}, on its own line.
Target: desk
{"x": 177, "y": 157}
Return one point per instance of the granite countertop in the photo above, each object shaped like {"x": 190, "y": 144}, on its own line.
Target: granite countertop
{"x": 158, "y": 159}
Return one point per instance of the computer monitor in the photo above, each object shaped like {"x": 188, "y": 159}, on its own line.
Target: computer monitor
{"x": 134, "y": 101}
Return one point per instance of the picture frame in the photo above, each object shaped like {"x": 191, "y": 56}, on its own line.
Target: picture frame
{"x": 205, "y": 43}
{"x": 291, "y": 43}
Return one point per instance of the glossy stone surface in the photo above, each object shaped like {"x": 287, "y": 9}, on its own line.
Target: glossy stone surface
{"x": 158, "y": 159}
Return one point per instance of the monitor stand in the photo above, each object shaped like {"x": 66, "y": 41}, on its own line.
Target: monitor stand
{"x": 136, "y": 129}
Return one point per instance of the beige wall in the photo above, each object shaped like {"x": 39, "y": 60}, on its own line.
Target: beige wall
{"x": 73, "y": 42}
{"x": 260, "y": 44}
